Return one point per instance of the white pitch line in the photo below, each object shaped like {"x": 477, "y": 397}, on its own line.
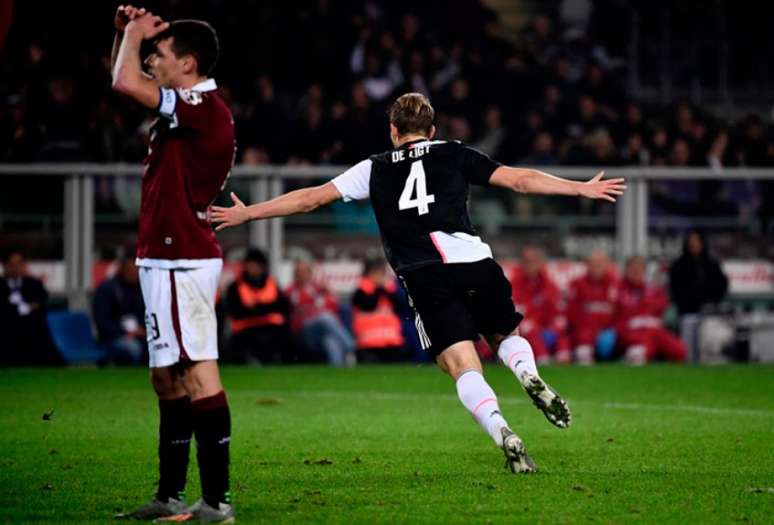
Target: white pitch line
{"x": 689, "y": 408}
{"x": 394, "y": 396}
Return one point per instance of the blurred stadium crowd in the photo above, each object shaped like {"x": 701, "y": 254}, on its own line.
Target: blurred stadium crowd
{"x": 551, "y": 95}
{"x": 309, "y": 85}
{"x": 604, "y": 314}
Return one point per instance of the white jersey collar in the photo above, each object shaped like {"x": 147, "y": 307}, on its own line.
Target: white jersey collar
{"x": 205, "y": 85}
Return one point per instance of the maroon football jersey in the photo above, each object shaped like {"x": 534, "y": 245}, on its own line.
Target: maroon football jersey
{"x": 191, "y": 154}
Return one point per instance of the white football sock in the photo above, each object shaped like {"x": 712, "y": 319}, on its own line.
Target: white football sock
{"x": 481, "y": 401}
{"x": 516, "y": 353}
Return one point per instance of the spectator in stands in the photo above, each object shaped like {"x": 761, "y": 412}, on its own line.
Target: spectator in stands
{"x": 683, "y": 121}
{"x": 315, "y": 316}
{"x": 375, "y": 323}
{"x": 634, "y": 152}
{"x": 258, "y": 312}
{"x": 542, "y": 153}
{"x": 587, "y": 119}
{"x": 640, "y": 332}
{"x": 310, "y": 138}
{"x": 252, "y": 129}
{"x": 754, "y": 151}
{"x": 632, "y": 121}
{"x": 325, "y": 105}
{"x": 491, "y": 140}
{"x": 538, "y": 299}
{"x": 697, "y": 284}
{"x": 591, "y": 307}
{"x": 23, "y": 298}
{"x": 554, "y": 109}
{"x": 119, "y": 314}
{"x": 20, "y": 136}
{"x": 659, "y": 147}
{"x": 696, "y": 279}
{"x": 681, "y": 153}
{"x": 255, "y": 156}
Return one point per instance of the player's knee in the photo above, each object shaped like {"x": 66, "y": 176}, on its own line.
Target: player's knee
{"x": 458, "y": 358}
{"x": 165, "y": 384}
{"x": 202, "y": 380}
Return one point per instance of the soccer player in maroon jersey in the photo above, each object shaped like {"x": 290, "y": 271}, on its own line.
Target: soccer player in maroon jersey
{"x": 190, "y": 156}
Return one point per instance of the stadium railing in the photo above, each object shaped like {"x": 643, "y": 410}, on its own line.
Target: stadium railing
{"x": 630, "y": 223}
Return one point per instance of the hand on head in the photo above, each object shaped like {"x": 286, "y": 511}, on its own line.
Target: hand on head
{"x": 132, "y": 19}
{"x": 125, "y": 14}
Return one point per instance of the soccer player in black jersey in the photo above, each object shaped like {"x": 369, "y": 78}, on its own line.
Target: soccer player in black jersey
{"x": 419, "y": 192}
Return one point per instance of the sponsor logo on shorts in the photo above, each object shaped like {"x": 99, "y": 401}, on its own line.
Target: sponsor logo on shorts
{"x": 159, "y": 346}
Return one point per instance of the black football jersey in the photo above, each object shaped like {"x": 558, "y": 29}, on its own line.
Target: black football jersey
{"x": 419, "y": 193}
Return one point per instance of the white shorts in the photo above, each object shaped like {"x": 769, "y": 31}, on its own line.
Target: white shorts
{"x": 180, "y": 313}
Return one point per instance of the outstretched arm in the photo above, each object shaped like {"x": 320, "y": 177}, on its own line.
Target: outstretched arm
{"x": 525, "y": 180}
{"x": 298, "y": 201}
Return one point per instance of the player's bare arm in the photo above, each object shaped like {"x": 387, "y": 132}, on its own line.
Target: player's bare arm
{"x": 524, "y": 180}
{"x": 298, "y": 201}
{"x": 124, "y": 15}
{"x": 128, "y": 77}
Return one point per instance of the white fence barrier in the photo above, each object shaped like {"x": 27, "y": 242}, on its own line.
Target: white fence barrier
{"x": 268, "y": 181}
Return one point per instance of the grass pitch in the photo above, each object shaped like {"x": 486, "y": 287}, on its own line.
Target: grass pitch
{"x": 393, "y": 445}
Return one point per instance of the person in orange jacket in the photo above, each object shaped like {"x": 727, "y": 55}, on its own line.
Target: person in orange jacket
{"x": 591, "y": 307}
{"x": 375, "y": 323}
{"x": 539, "y": 299}
{"x": 258, "y": 312}
{"x": 640, "y": 307}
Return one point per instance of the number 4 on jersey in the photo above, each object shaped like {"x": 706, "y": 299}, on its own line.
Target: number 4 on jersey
{"x": 416, "y": 182}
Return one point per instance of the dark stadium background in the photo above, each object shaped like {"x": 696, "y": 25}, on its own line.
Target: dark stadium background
{"x": 675, "y": 96}
{"x": 521, "y": 80}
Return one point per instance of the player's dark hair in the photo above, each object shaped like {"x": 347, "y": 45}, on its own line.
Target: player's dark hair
{"x": 412, "y": 113}
{"x": 197, "y": 38}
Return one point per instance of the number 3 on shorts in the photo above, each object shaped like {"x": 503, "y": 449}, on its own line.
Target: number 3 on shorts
{"x": 416, "y": 182}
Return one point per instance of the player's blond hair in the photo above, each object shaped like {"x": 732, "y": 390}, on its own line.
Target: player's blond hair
{"x": 412, "y": 113}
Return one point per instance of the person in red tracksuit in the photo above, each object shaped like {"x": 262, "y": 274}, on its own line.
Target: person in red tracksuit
{"x": 538, "y": 298}
{"x": 591, "y": 305}
{"x": 315, "y": 317}
{"x": 640, "y": 306}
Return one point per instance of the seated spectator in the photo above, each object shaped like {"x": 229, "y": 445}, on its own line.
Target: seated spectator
{"x": 23, "y": 298}
{"x": 119, "y": 314}
{"x": 315, "y": 317}
{"x": 258, "y": 312}
{"x": 640, "y": 332}
{"x": 375, "y": 323}
{"x": 538, "y": 299}
{"x": 590, "y": 308}
{"x": 696, "y": 283}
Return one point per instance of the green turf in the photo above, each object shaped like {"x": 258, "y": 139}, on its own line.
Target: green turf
{"x": 655, "y": 444}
